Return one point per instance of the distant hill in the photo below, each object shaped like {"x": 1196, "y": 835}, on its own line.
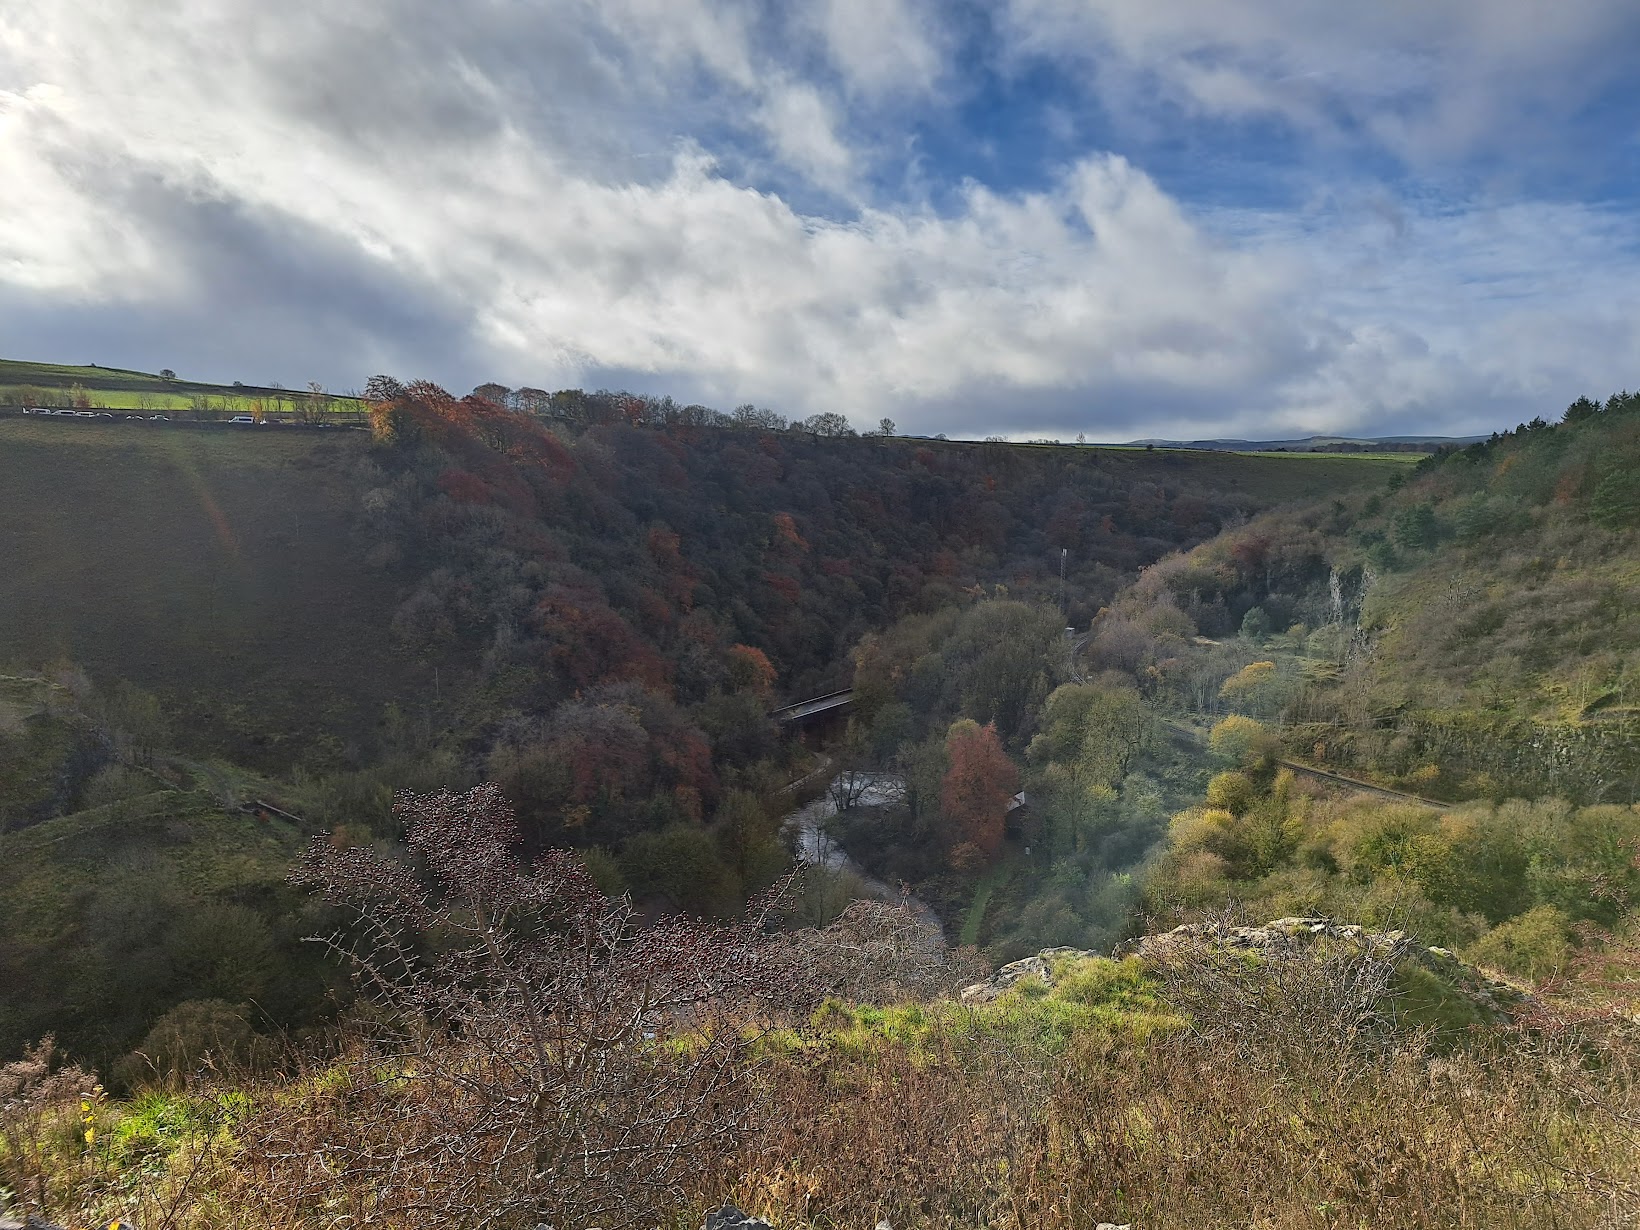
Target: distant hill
{"x": 1320, "y": 444}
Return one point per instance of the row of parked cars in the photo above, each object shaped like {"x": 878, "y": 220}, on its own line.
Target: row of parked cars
{"x": 96, "y": 414}
{"x": 128, "y": 417}
{"x": 132, "y": 416}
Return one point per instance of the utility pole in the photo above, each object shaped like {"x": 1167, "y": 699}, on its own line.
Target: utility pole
{"x": 1064, "y": 607}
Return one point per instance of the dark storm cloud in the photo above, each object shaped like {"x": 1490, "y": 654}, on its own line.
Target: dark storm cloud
{"x": 259, "y": 298}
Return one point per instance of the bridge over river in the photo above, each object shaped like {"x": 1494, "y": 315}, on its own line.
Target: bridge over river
{"x": 818, "y": 719}
{"x": 815, "y": 707}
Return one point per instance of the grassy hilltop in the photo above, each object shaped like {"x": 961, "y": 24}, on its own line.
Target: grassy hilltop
{"x": 24, "y": 383}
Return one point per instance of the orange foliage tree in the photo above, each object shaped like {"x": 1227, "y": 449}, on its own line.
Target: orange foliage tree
{"x": 978, "y": 785}
{"x": 750, "y": 670}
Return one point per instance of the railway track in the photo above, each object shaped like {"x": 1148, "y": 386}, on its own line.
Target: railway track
{"x": 1197, "y": 739}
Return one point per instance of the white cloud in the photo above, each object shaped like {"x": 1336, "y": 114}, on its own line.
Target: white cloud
{"x": 557, "y": 179}
{"x": 1430, "y": 79}
{"x": 882, "y": 47}
{"x": 803, "y": 129}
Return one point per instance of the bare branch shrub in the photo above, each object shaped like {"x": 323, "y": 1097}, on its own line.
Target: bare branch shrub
{"x": 44, "y": 1130}
{"x": 536, "y": 1053}
{"x": 875, "y": 952}
{"x": 1287, "y": 994}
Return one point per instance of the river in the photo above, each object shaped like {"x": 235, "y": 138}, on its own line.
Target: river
{"x": 815, "y": 847}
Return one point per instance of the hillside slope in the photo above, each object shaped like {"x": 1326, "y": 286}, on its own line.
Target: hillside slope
{"x": 244, "y": 579}
{"x": 222, "y": 573}
{"x": 1474, "y": 632}
{"x": 114, "y": 915}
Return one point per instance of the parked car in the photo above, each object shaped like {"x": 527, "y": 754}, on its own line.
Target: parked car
{"x": 158, "y": 418}
{"x": 242, "y": 418}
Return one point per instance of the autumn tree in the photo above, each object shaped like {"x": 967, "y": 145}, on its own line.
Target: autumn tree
{"x": 756, "y": 418}
{"x": 1257, "y": 688}
{"x": 748, "y": 833}
{"x": 1243, "y": 741}
{"x": 750, "y": 671}
{"x": 532, "y": 400}
{"x": 1092, "y": 735}
{"x": 1001, "y": 658}
{"x": 979, "y": 783}
{"x": 1096, "y": 731}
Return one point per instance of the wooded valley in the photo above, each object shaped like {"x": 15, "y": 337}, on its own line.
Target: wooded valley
{"x": 1092, "y": 693}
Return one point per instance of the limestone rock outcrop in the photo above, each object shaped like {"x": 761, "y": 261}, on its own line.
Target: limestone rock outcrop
{"x": 731, "y": 1218}
{"x": 1495, "y": 999}
{"x": 1038, "y": 968}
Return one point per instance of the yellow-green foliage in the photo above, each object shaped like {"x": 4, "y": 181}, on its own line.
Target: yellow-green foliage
{"x": 1117, "y": 998}
{"x": 1241, "y": 739}
{"x": 1097, "y": 994}
{"x": 859, "y": 1030}
{"x": 1245, "y": 833}
{"x": 1256, "y": 687}
{"x": 1231, "y": 791}
{"x": 1528, "y": 869}
{"x": 145, "y": 1131}
{"x": 1535, "y": 945}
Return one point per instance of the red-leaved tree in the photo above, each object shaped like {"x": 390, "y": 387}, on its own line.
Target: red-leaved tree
{"x": 978, "y": 785}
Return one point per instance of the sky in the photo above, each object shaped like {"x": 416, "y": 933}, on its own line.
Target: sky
{"x": 1025, "y": 218}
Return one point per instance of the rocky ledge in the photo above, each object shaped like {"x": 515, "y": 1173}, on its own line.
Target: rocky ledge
{"x": 1495, "y": 999}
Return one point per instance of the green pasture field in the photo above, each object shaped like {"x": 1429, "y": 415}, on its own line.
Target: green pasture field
{"x": 110, "y": 388}
{"x": 219, "y": 570}
{"x": 340, "y": 408}
{"x": 1268, "y": 476}
{"x": 1398, "y": 458}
